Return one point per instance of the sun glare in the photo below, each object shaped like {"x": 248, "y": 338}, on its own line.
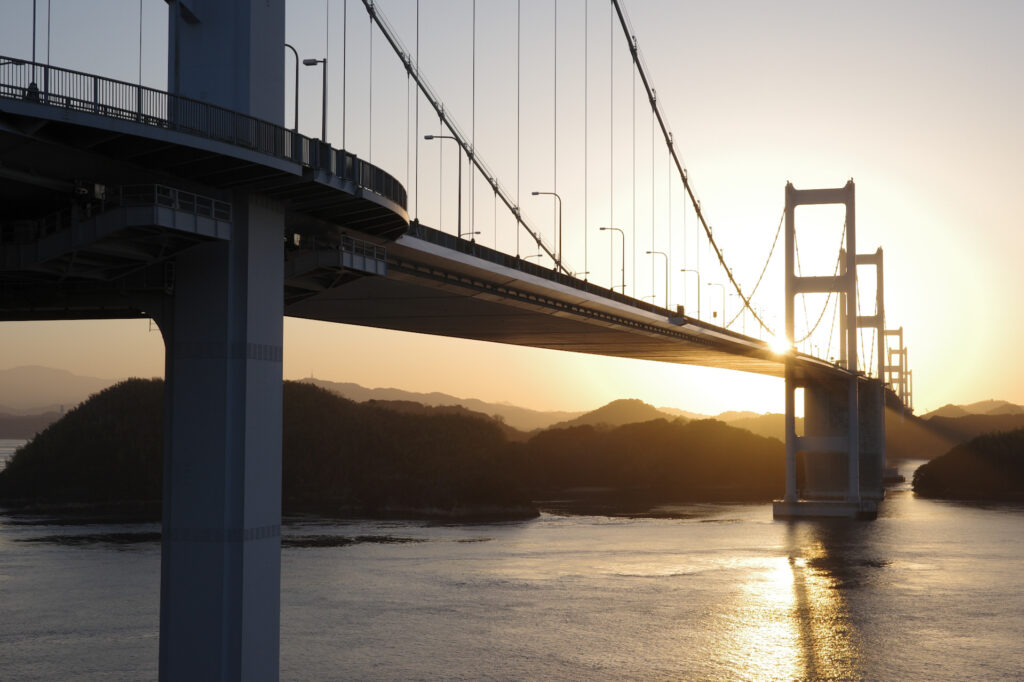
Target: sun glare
{"x": 778, "y": 344}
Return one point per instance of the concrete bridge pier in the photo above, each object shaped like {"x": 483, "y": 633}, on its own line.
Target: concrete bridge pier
{"x": 220, "y": 564}
{"x": 842, "y": 468}
{"x": 871, "y": 413}
{"x": 221, "y": 558}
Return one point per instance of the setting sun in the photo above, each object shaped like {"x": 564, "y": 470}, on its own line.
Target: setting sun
{"x": 779, "y": 344}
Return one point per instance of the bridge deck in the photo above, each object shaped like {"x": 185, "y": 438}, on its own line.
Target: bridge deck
{"x": 433, "y": 289}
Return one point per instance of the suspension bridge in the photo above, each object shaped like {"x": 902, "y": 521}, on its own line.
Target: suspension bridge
{"x": 198, "y": 207}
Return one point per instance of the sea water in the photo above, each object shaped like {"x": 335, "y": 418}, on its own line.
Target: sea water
{"x": 930, "y": 590}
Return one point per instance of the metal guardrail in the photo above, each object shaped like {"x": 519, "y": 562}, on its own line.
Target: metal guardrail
{"x": 24, "y": 232}
{"x": 57, "y": 87}
{"x": 346, "y": 244}
{"x": 359, "y": 247}
{"x": 169, "y": 197}
{"x": 429, "y": 234}
{"x": 449, "y": 241}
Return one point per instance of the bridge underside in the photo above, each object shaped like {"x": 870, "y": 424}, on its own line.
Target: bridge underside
{"x": 409, "y": 301}
{"x": 433, "y": 290}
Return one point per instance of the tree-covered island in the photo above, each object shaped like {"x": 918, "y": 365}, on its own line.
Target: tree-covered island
{"x": 342, "y": 458}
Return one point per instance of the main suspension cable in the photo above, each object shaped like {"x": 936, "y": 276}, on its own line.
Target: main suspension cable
{"x": 832, "y": 328}
{"x": 775, "y": 241}
{"x": 799, "y": 273}
{"x": 638, "y": 62}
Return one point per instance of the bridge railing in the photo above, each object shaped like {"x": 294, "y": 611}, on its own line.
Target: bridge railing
{"x": 170, "y": 197}
{"x": 78, "y": 91}
{"x": 449, "y": 241}
{"x": 25, "y": 232}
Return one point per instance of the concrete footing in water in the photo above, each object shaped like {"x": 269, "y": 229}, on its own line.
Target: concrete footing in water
{"x": 865, "y": 510}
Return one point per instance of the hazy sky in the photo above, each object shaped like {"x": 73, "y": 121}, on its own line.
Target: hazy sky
{"x": 920, "y": 103}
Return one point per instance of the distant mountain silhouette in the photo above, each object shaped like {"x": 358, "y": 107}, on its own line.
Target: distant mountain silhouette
{"x": 410, "y": 407}
{"x": 676, "y": 412}
{"x": 949, "y": 410}
{"x": 1008, "y": 408}
{"x": 33, "y": 389}
{"x": 994, "y": 407}
{"x": 520, "y": 418}
{"x": 618, "y": 413}
{"x": 961, "y": 429}
{"x": 906, "y": 437}
{"x": 770, "y": 425}
{"x": 732, "y": 416}
{"x": 910, "y": 437}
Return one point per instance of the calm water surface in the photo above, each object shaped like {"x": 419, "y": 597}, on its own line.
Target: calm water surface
{"x": 7, "y": 448}
{"x": 931, "y": 590}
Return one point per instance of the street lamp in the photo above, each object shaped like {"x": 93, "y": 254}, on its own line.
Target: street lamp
{"x": 722, "y": 286}
{"x": 449, "y": 137}
{"x": 295, "y": 52}
{"x": 665, "y": 255}
{"x": 314, "y": 62}
{"x": 555, "y": 195}
{"x": 696, "y": 272}
{"x": 623, "y": 235}
{"x": 743, "y": 315}
{"x": 760, "y": 313}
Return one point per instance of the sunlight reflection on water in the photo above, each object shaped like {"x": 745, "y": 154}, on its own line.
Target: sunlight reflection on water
{"x": 790, "y": 620}
{"x": 929, "y": 587}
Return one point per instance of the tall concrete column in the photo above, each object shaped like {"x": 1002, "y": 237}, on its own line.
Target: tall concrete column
{"x": 229, "y": 53}
{"x": 220, "y": 564}
{"x": 872, "y": 394}
{"x": 872, "y": 439}
{"x": 825, "y": 442}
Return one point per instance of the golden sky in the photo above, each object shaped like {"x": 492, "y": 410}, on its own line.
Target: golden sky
{"x": 920, "y": 103}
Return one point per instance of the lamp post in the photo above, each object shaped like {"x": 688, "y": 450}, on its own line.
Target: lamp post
{"x": 623, "y": 235}
{"x": 314, "y": 62}
{"x": 722, "y": 287}
{"x": 696, "y": 272}
{"x": 556, "y": 195}
{"x": 449, "y": 137}
{"x": 743, "y": 315}
{"x": 665, "y": 256}
{"x": 295, "y": 52}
